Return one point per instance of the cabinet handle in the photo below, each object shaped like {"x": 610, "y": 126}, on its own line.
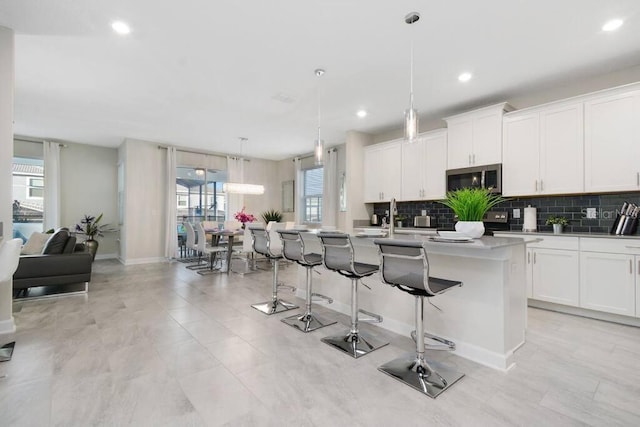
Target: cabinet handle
{"x": 541, "y": 185}
{"x": 469, "y": 159}
{"x": 630, "y": 267}
{"x": 534, "y": 257}
{"x": 536, "y": 185}
{"x": 529, "y": 258}
{"x": 638, "y": 271}
{"x": 638, "y": 179}
{"x": 474, "y": 159}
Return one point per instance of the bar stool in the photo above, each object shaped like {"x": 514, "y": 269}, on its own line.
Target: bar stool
{"x": 265, "y": 244}
{"x": 338, "y": 255}
{"x": 293, "y": 249}
{"x": 404, "y": 265}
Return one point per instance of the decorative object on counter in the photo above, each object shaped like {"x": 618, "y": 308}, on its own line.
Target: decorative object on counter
{"x": 626, "y": 222}
{"x": 558, "y": 222}
{"x": 471, "y": 205}
{"x": 530, "y": 224}
{"x": 399, "y": 219}
{"x": 271, "y": 215}
{"x": 244, "y": 217}
{"x": 90, "y": 226}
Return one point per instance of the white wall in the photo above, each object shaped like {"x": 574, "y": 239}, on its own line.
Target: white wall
{"x": 143, "y": 233}
{"x": 264, "y": 172}
{"x": 286, "y": 171}
{"x": 88, "y": 185}
{"x": 7, "y": 324}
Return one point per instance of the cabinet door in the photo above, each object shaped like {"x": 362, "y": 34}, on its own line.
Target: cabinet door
{"x": 487, "y": 138}
{"x": 390, "y": 171}
{"x": 529, "y": 273}
{"x": 555, "y": 276}
{"x": 372, "y": 179}
{"x": 637, "y": 260}
{"x": 608, "y": 282}
{"x": 413, "y": 170}
{"x": 611, "y": 147}
{"x": 562, "y": 150}
{"x": 435, "y": 186}
{"x": 520, "y": 169}
{"x": 459, "y": 145}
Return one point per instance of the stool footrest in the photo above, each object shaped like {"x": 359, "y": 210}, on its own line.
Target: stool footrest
{"x": 442, "y": 344}
{"x": 372, "y": 317}
{"x": 321, "y": 298}
{"x": 289, "y": 287}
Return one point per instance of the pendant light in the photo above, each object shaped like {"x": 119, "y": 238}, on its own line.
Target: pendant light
{"x": 411, "y": 115}
{"x": 319, "y": 143}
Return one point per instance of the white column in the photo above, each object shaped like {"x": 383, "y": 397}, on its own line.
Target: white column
{"x": 7, "y": 325}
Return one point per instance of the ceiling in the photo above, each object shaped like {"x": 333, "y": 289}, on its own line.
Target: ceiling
{"x": 201, "y": 74}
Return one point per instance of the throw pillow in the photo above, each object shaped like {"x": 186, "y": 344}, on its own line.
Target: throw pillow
{"x": 55, "y": 244}
{"x": 35, "y": 243}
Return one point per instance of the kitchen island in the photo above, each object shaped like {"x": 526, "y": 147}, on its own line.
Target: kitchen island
{"x": 486, "y": 317}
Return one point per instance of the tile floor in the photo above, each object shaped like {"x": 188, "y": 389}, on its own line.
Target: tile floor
{"x": 158, "y": 344}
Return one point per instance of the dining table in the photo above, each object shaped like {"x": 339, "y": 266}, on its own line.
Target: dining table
{"x": 217, "y": 234}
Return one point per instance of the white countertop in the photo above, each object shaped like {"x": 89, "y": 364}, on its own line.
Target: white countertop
{"x": 596, "y": 235}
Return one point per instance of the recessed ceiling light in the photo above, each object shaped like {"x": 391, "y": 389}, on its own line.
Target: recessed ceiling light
{"x": 361, "y": 113}
{"x": 121, "y": 27}
{"x": 612, "y": 25}
{"x": 465, "y": 77}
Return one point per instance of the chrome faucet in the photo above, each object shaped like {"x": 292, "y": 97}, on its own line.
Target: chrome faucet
{"x": 392, "y": 214}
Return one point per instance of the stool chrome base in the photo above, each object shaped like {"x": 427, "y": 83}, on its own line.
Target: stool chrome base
{"x": 308, "y": 322}
{"x": 274, "y": 306}
{"x": 430, "y": 379}
{"x": 355, "y": 345}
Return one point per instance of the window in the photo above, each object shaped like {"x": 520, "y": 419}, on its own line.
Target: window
{"x": 36, "y": 188}
{"x": 313, "y": 180}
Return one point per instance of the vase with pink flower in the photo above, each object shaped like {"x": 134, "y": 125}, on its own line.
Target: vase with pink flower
{"x": 244, "y": 217}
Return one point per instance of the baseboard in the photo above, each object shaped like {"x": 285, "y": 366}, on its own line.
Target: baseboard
{"x": 107, "y": 256}
{"x": 583, "y": 312}
{"x": 136, "y": 261}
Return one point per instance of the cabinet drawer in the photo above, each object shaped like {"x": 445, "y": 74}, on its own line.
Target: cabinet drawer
{"x": 553, "y": 242}
{"x": 616, "y": 246}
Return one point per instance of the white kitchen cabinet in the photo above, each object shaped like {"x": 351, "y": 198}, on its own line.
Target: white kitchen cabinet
{"x": 612, "y": 126}
{"x": 424, "y": 165}
{"x": 475, "y": 138}
{"x": 383, "y": 172}
{"x": 543, "y": 151}
{"x": 637, "y": 264}
{"x": 607, "y": 282}
{"x": 555, "y": 277}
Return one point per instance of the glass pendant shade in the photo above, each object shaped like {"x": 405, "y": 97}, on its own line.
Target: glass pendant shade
{"x": 411, "y": 124}
{"x": 318, "y": 151}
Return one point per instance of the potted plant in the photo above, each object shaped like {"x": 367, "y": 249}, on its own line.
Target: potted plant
{"x": 271, "y": 215}
{"x": 399, "y": 220}
{"x": 558, "y": 222}
{"x": 244, "y": 217}
{"x": 470, "y": 205}
{"x": 90, "y": 226}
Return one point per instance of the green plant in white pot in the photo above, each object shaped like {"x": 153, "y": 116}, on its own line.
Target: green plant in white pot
{"x": 470, "y": 206}
{"x": 557, "y": 222}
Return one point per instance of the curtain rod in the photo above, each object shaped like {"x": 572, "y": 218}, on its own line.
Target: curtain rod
{"x": 330, "y": 150}
{"x": 36, "y": 141}
{"x": 203, "y": 153}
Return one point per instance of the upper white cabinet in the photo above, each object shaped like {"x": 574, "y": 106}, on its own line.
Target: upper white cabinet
{"x": 382, "y": 172}
{"x": 424, "y": 164}
{"x": 612, "y": 146}
{"x": 543, "y": 151}
{"x": 475, "y": 138}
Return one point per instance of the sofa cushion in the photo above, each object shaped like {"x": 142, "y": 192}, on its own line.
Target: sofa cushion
{"x": 56, "y": 243}
{"x": 35, "y": 243}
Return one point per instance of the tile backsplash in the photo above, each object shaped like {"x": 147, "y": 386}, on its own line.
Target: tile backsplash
{"x": 574, "y": 208}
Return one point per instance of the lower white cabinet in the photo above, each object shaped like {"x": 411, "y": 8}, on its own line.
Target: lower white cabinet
{"x": 554, "y": 277}
{"x": 608, "y": 282}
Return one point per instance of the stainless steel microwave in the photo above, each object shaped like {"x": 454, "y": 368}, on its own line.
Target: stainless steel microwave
{"x": 488, "y": 176}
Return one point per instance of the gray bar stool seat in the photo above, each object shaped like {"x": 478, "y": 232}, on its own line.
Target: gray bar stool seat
{"x": 338, "y": 256}
{"x": 404, "y": 265}
{"x": 271, "y": 248}
{"x": 293, "y": 249}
